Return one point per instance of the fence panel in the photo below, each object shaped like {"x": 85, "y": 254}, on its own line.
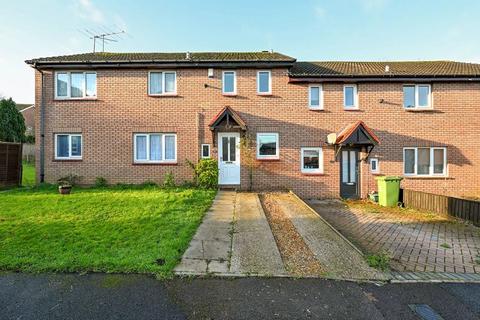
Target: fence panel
{"x": 457, "y": 207}
{"x": 10, "y": 164}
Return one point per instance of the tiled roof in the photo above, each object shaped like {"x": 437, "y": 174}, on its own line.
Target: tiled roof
{"x": 351, "y": 128}
{"x": 341, "y": 69}
{"x": 101, "y": 57}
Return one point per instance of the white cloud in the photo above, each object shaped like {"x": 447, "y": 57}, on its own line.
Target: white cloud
{"x": 87, "y": 10}
{"x": 373, "y": 5}
{"x": 319, "y": 12}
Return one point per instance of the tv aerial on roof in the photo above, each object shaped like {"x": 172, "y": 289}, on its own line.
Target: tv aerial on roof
{"x": 104, "y": 35}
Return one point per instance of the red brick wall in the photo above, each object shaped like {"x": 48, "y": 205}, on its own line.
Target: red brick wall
{"x": 123, "y": 107}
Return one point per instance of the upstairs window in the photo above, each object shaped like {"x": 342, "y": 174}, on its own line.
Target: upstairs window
{"x": 425, "y": 161}
{"x": 68, "y": 146}
{"x": 75, "y": 85}
{"x": 229, "y": 82}
{"x": 162, "y": 83}
{"x": 267, "y": 146}
{"x": 417, "y": 96}
{"x": 350, "y": 97}
{"x": 155, "y": 148}
{"x": 264, "y": 82}
{"x": 315, "y": 97}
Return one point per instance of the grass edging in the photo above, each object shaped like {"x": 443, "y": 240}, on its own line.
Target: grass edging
{"x": 326, "y": 222}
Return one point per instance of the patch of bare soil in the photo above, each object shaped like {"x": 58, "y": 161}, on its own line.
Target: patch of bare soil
{"x": 299, "y": 260}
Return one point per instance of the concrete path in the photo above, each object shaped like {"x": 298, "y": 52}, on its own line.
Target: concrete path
{"x": 339, "y": 258}
{"x": 233, "y": 239}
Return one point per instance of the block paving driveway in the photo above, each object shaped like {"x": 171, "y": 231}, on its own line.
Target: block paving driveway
{"x": 447, "y": 246}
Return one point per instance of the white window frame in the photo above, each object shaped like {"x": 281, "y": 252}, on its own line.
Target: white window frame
{"x": 69, "y": 77}
{"x": 163, "y": 135}
{"x": 320, "y": 160}
{"x": 355, "y": 97}
{"x": 377, "y": 162}
{"x": 320, "y": 97}
{"x": 70, "y": 156}
{"x": 234, "y": 83}
{"x": 431, "y": 166}
{"x": 201, "y": 150}
{"x": 163, "y": 83}
{"x": 417, "y": 106}
{"x": 269, "y": 82}
{"x": 277, "y": 146}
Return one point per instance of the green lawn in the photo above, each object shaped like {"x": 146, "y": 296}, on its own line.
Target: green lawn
{"x": 129, "y": 229}
{"x": 28, "y": 174}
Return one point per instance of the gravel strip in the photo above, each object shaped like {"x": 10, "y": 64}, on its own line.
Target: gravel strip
{"x": 299, "y": 260}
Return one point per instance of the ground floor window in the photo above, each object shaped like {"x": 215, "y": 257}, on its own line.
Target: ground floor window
{"x": 374, "y": 168}
{"x": 311, "y": 160}
{"x": 205, "y": 151}
{"x": 425, "y": 161}
{"x": 155, "y": 147}
{"x": 68, "y": 146}
{"x": 267, "y": 146}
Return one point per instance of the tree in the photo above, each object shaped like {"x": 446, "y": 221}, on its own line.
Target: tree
{"x": 12, "y": 124}
{"x": 248, "y": 152}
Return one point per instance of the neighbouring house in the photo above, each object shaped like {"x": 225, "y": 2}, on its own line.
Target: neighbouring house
{"x": 28, "y": 113}
{"x": 321, "y": 129}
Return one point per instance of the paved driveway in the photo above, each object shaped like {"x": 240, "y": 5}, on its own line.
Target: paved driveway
{"x": 414, "y": 246}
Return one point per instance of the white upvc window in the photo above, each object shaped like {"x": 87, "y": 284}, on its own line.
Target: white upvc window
{"x": 350, "y": 97}
{"x": 425, "y": 161}
{"x": 75, "y": 85}
{"x": 311, "y": 160}
{"x": 267, "y": 146}
{"x": 315, "y": 97}
{"x": 374, "y": 165}
{"x": 264, "y": 82}
{"x": 229, "y": 82}
{"x": 162, "y": 83}
{"x": 155, "y": 147}
{"x": 205, "y": 151}
{"x": 417, "y": 96}
{"x": 68, "y": 146}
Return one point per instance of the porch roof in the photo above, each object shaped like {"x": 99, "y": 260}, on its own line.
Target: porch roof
{"x": 357, "y": 133}
{"x": 231, "y": 119}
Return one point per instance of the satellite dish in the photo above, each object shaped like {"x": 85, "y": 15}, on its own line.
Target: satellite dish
{"x": 331, "y": 138}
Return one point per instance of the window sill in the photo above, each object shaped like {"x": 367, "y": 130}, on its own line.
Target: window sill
{"x": 75, "y": 99}
{"x": 315, "y": 109}
{"x": 266, "y": 94}
{"x": 155, "y": 163}
{"x": 163, "y": 95}
{"x": 351, "y": 108}
{"x": 67, "y": 160}
{"x": 229, "y": 94}
{"x": 268, "y": 159}
{"x": 430, "y": 109}
{"x": 313, "y": 173}
{"x": 427, "y": 177}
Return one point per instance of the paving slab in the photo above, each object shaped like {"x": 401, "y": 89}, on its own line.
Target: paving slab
{"x": 254, "y": 250}
{"x": 334, "y": 253}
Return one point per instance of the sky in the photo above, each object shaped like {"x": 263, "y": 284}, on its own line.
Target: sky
{"x": 308, "y": 30}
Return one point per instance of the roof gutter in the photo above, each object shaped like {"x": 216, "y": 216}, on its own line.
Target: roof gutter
{"x": 382, "y": 79}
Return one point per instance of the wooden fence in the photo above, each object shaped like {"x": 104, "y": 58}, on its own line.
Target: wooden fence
{"x": 10, "y": 164}
{"x": 456, "y": 207}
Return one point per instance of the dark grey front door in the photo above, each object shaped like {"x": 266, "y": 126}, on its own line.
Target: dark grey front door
{"x": 349, "y": 174}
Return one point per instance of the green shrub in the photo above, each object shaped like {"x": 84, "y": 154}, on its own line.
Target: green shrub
{"x": 71, "y": 180}
{"x": 206, "y": 172}
{"x": 149, "y": 183}
{"x": 169, "y": 180}
{"x": 100, "y": 182}
{"x": 379, "y": 261}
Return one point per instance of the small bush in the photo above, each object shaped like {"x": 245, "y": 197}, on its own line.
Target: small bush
{"x": 206, "y": 172}
{"x": 169, "y": 180}
{"x": 149, "y": 183}
{"x": 100, "y": 182}
{"x": 70, "y": 180}
{"x": 379, "y": 261}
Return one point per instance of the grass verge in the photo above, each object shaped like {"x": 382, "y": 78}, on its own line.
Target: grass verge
{"x": 28, "y": 174}
{"x": 118, "y": 229}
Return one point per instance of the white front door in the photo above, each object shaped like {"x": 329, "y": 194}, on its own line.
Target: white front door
{"x": 229, "y": 158}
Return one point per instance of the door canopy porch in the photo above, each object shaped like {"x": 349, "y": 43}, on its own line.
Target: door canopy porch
{"x": 356, "y": 134}
{"x": 228, "y": 119}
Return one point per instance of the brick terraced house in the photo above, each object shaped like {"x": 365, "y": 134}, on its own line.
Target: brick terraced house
{"x": 321, "y": 129}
